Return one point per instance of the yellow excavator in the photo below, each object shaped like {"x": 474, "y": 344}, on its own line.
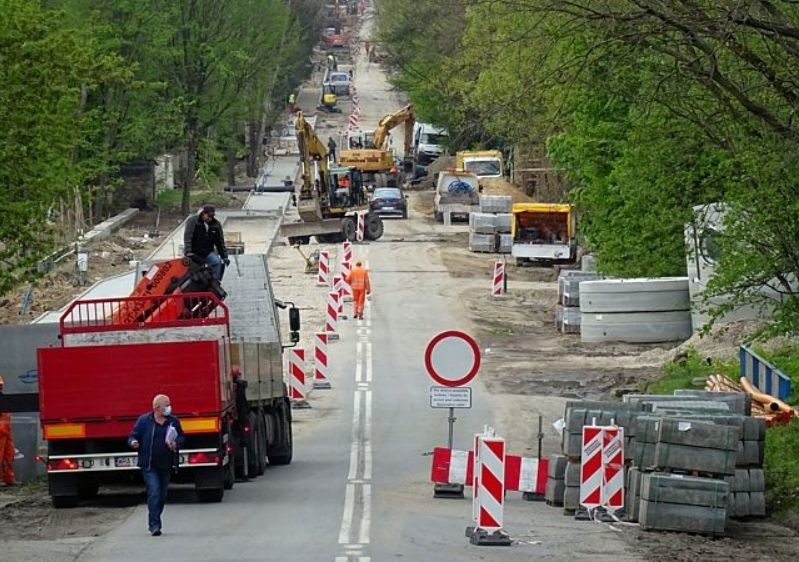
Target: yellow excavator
{"x": 376, "y": 158}
{"x": 329, "y": 198}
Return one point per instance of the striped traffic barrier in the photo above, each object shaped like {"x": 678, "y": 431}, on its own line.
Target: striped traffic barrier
{"x": 346, "y": 267}
{"x": 323, "y": 278}
{"x": 612, "y": 468}
{"x": 360, "y": 227}
{"x": 488, "y": 501}
{"x": 591, "y": 467}
{"x": 498, "y": 285}
{"x": 331, "y": 315}
{"x": 297, "y": 391}
{"x": 337, "y": 288}
{"x": 522, "y": 474}
{"x": 321, "y": 357}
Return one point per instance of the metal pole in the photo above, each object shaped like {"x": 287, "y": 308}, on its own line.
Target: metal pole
{"x": 451, "y": 427}
{"x": 505, "y": 279}
{"x": 540, "y": 435}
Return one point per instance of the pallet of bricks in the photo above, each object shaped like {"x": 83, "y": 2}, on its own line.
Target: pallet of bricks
{"x": 692, "y": 460}
{"x": 567, "y": 317}
{"x": 489, "y": 229}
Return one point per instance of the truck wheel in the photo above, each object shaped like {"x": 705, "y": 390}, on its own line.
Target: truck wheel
{"x": 254, "y": 446}
{"x": 262, "y": 444}
{"x": 213, "y": 495}
{"x": 230, "y": 473}
{"x": 348, "y": 228}
{"x": 64, "y": 502}
{"x": 282, "y": 451}
{"x": 373, "y": 227}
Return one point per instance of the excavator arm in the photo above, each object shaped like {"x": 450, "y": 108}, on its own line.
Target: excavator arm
{"x": 405, "y": 115}
{"x": 312, "y": 149}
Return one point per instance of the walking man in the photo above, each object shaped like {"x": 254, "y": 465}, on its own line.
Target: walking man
{"x": 6, "y": 446}
{"x": 157, "y": 436}
{"x": 331, "y": 149}
{"x": 203, "y": 239}
{"x": 292, "y": 103}
{"x": 358, "y": 280}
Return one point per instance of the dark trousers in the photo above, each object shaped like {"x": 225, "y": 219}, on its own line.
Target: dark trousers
{"x": 157, "y": 481}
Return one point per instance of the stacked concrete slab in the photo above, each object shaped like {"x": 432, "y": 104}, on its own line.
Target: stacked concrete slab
{"x": 670, "y": 502}
{"x": 568, "y": 309}
{"x": 556, "y": 480}
{"x": 490, "y": 227}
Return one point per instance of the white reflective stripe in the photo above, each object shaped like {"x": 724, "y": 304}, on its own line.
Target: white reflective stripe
{"x": 528, "y": 475}
{"x": 457, "y": 466}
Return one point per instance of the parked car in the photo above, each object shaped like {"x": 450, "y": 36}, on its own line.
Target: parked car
{"x": 389, "y": 201}
{"x": 340, "y": 82}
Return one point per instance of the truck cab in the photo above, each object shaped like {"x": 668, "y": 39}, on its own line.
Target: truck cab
{"x": 483, "y": 163}
{"x": 429, "y": 142}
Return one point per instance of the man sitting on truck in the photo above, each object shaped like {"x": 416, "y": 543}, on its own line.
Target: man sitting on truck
{"x": 204, "y": 241}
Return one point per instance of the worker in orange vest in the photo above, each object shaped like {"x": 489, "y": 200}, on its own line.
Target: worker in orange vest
{"x": 6, "y": 446}
{"x": 358, "y": 280}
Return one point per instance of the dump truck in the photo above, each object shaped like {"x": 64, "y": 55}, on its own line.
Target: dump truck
{"x": 543, "y": 232}
{"x": 457, "y": 194}
{"x": 483, "y": 163}
{"x": 217, "y": 356}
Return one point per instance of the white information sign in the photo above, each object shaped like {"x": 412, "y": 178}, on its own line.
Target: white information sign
{"x": 450, "y": 397}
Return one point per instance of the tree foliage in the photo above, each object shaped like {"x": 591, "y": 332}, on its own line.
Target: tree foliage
{"x": 651, "y": 107}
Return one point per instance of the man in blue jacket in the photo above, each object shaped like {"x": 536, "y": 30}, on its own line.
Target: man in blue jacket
{"x": 157, "y": 436}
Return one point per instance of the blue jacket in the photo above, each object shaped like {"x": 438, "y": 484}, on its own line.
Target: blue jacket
{"x": 144, "y": 431}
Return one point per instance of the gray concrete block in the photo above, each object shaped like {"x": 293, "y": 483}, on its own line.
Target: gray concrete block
{"x": 753, "y": 453}
{"x": 740, "y": 482}
{"x": 606, "y": 405}
{"x": 575, "y": 419}
{"x": 754, "y": 429}
{"x": 646, "y": 429}
{"x": 757, "y": 504}
{"x": 571, "y": 497}
{"x": 703, "y": 406}
{"x": 739, "y": 402}
{"x": 554, "y": 491}
{"x": 757, "y": 480}
{"x": 574, "y": 445}
{"x": 655, "y": 516}
{"x": 557, "y": 466}
{"x": 736, "y": 403}
{"x": 632, "y": 496}
{"x": 643, "y": 454}
{"x": 698, "y": 434}
{"x": 742, "y": 505}
{"x": 694, "y": 459}
{"x": 573, "y": 474}
{"x": 686, "y": 490}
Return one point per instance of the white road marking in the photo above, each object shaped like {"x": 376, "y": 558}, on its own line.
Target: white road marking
{"x": 342, "y": 559}
{"x": 346, "y": 520}
{"x": 368, "y": 361}
{"x": 367, "y": 438}
{"x": 366, "y": 514}
{"x": 355, "y": 444}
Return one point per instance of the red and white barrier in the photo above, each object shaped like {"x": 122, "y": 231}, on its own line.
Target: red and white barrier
{"x": 297, "y": 391}
{"x": 613, "y": 468}
{"x": 339, "y": 290}
{"x": 489, "y": 497}
{"x": 346, "y": 267}
{"x": 331, "y": 316}
{"x": 498, "y": 286}
{"x": 522, "y": 474}
{"x": 361, "y": 226}
{"x": 353, "y": 121}
{"x": 323, "y": 278}
{"x": 591, "y": 467}
{"x": 321, "y": 358}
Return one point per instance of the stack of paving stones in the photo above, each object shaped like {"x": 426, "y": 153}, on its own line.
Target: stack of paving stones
{"x": 489, "y": 229}
{"x": 556, "y": 480}
{"x": 707, "y": 439}
{"x": 568, "y": 309}
{"x": 579, "y": 414}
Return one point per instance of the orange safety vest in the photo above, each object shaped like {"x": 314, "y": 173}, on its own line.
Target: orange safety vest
{"x": 358, "y": 279}
{"x": 5, "y": 423}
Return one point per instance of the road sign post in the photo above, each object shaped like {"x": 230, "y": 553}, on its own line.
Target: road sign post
{"x": 452, "y": 359}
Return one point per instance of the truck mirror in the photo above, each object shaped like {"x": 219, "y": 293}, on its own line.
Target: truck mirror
{"x": 294, "y": 319}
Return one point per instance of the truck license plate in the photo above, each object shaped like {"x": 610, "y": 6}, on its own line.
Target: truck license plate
{"x": 123, "y": 462}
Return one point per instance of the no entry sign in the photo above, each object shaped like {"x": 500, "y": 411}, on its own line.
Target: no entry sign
{"x": 452, "y": 358}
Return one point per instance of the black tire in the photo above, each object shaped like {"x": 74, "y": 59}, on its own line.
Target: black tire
{"x": 373, "y": 227}
{"x": 230, "y": 473}
{"x": 64, "y": 502}
{"x": 348, "y": 228}
{"x": 263, "y": 446}
{"x": 405, "y": 214}
{"x": 282, "y": 451}
{"x": 254, "y": 445}
{"x": 213, "y": 495}
{"x": 334, "y": 238}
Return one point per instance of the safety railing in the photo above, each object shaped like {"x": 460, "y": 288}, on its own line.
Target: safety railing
{"x": 763, "y": 375}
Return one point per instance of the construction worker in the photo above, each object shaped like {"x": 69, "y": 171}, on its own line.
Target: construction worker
{"x": 331, "y": 62}
{"x": 358, "y": 280}
{"x": 6, "y": 446}
{"x": 331, "y": 149}
{"x": 292, "y": 103}
{"x": 204, "y": 241}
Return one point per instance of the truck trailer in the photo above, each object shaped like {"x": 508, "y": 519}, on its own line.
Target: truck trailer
{"x": 219, "y": 361}
{"x": 543, "y": 232}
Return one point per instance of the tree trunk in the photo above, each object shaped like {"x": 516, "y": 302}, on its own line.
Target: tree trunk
{"x": 191, "y": 170}
{"x": 254, "y": 149}
{"x": 231, "y": 165}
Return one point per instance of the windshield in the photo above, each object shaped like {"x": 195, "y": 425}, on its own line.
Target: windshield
{"x": 387, "y": 193}
{"x": 483, "y": 168}
{"x": 432, "y": 138}
{"x": 339, "y": 77}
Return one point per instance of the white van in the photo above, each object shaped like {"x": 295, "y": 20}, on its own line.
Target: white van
{"x": 428, "y": 142}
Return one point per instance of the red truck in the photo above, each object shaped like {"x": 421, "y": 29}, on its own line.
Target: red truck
{"x": 116, "y": 354}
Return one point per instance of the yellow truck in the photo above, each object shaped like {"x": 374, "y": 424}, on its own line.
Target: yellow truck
{"x": 543, "y": 232}
{"x": 482, "y": 163}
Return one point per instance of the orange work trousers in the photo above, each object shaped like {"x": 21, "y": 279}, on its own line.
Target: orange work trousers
{"x": 358, "y": 299}
{"x": 6, "y": 456}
